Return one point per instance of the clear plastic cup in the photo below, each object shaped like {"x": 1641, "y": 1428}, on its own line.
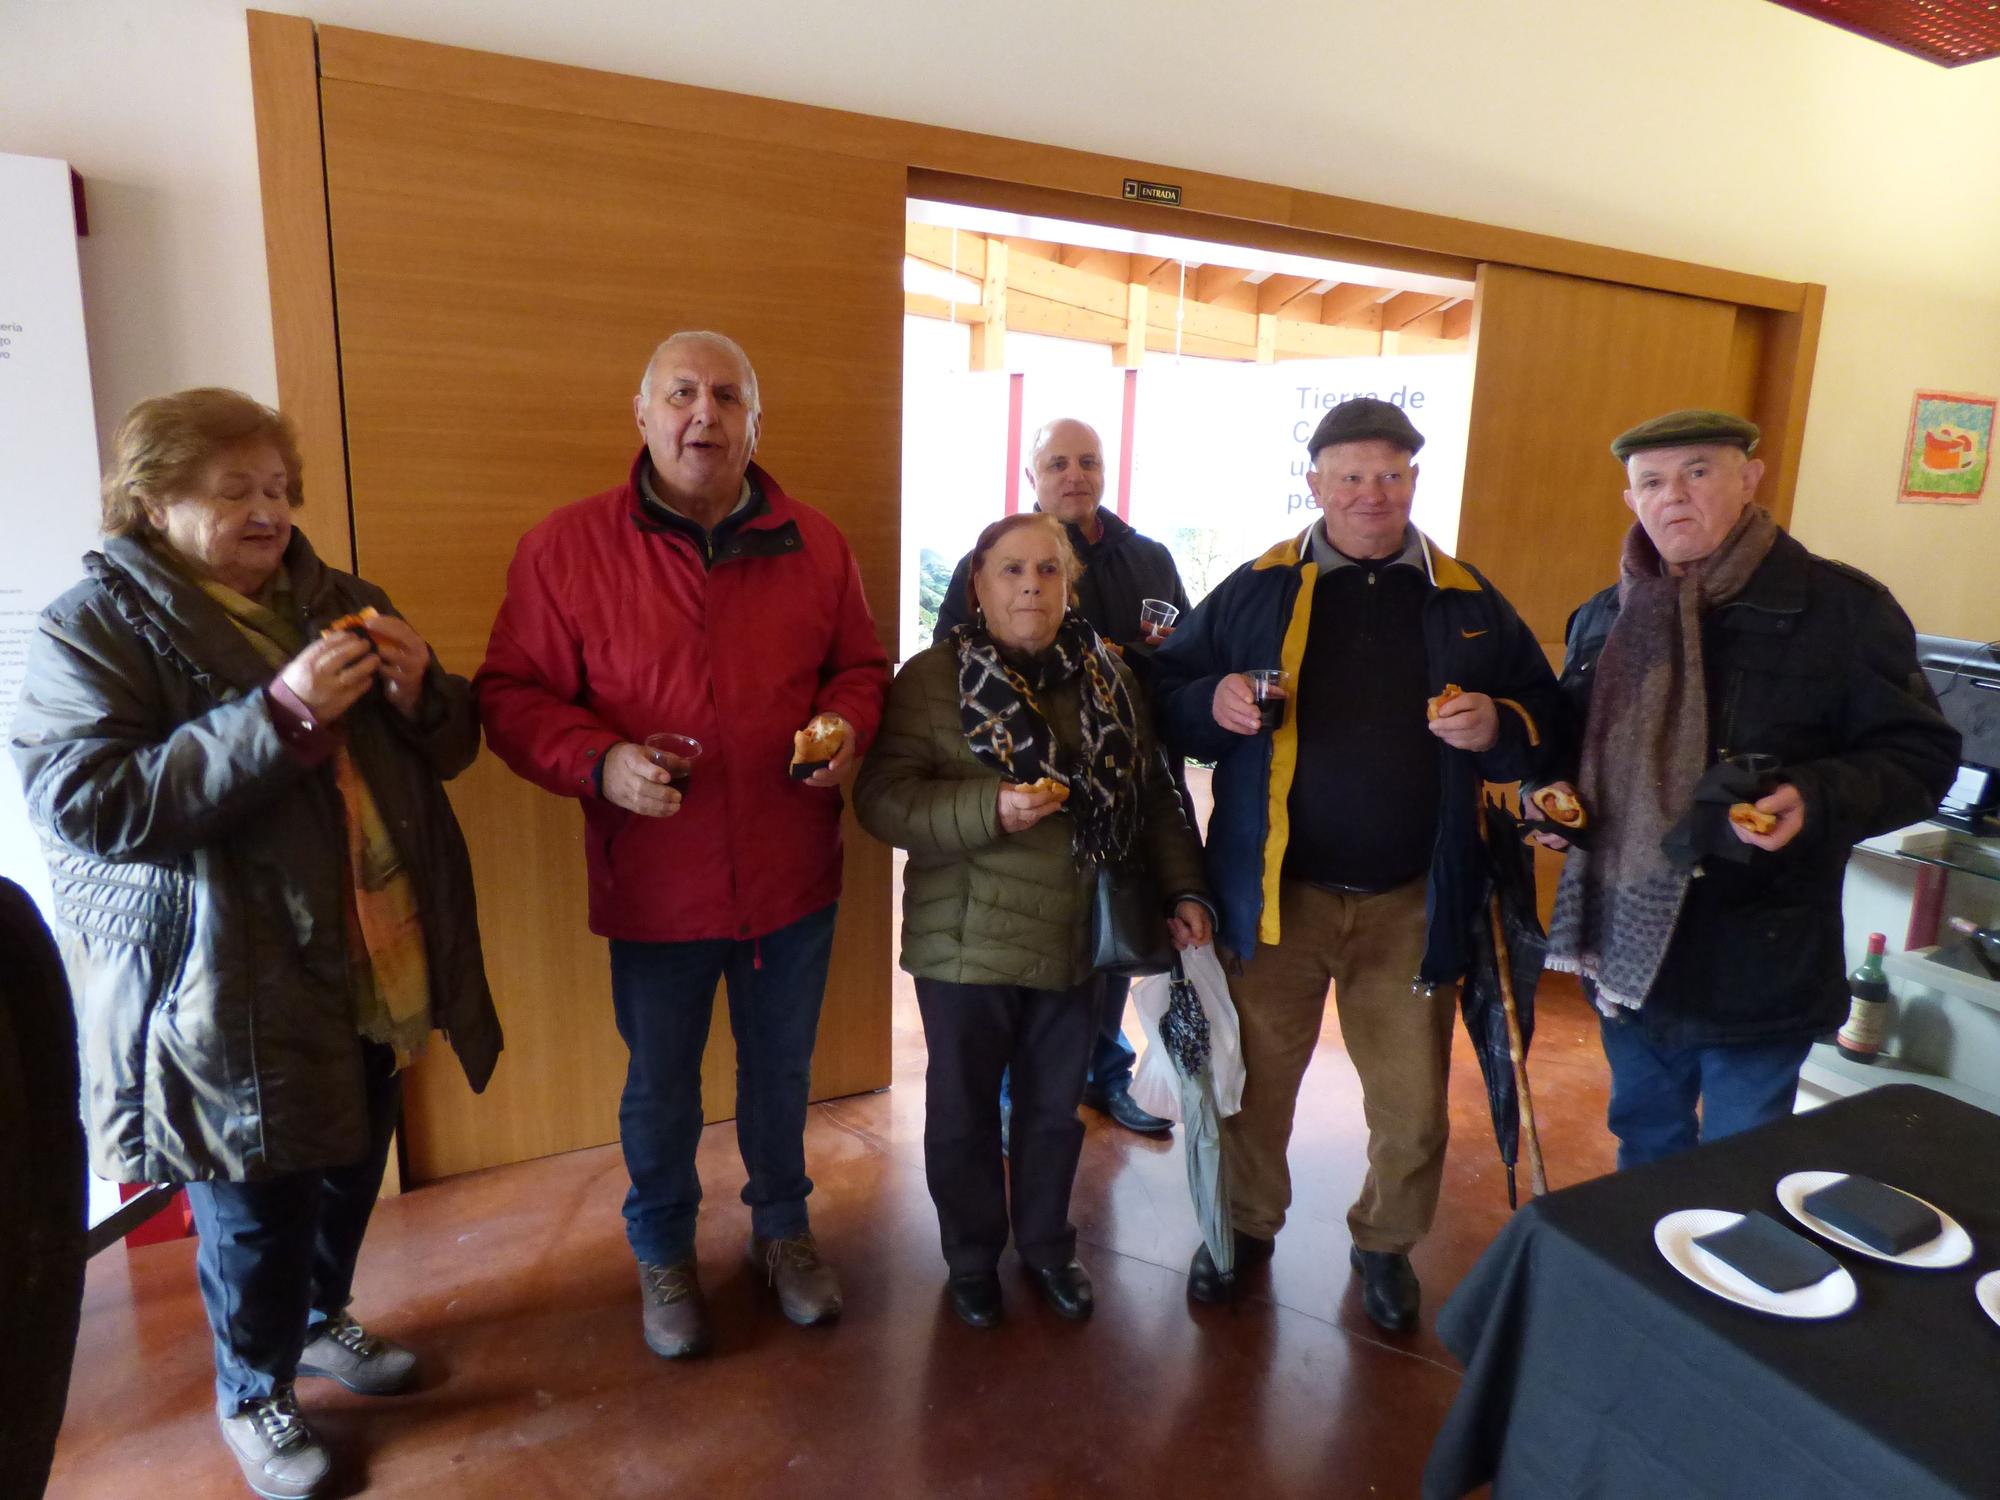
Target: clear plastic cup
{"x": 1270, "y": 686}
{"x": 677, "y": 752}
{"x": 1156, "y": 620}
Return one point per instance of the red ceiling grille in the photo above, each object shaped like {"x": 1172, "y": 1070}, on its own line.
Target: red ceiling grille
{"x": 1948, "y": 32}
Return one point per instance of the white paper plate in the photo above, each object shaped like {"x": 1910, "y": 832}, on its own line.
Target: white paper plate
{"x": 1828, "y": 1297}
{"x": 1951, "y": 1246}
{"x": 1987, "y": 1290}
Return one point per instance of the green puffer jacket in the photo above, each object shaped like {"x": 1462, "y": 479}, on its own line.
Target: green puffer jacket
{"x": 981, "y": 906}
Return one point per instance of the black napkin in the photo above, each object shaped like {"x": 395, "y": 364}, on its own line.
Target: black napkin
{"x": 1705, "y": 832}
{"x": 1878, "y": 1216}
{"x": 1769, "y": 1254}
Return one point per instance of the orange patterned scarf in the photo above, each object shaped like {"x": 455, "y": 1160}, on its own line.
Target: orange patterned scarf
{"x": 385, "y": 938}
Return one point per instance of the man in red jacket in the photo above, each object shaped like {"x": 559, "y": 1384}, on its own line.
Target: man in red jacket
{"x": 698, "y": 599}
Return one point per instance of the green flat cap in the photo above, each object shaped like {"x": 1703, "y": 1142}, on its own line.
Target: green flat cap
{"x": 1365, "y": 419}
{"x": 1682, "y": 429}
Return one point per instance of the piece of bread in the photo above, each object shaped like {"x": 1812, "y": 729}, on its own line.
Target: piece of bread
{"x": 1451, "y": 690}
{"x": 819, "y": 741}
{"x": 1560, "y": 806}
{"x": 357, "y": 622}
{"x": 1051, "y": 785}
{"x": 1746, "y": 815}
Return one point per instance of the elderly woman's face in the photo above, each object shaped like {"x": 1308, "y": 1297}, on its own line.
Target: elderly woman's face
{"x": 234, "y": 522}
{"x": 1023, "y": 588}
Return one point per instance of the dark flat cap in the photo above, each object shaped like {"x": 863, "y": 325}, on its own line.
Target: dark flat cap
{"x": 1683, "y": 429}
{"x": 1365, "y": 419}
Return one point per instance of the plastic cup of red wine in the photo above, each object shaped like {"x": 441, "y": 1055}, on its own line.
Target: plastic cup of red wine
{"x": 677, "y": 752}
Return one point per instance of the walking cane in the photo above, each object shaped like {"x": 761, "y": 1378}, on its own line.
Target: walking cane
{"x": 1538, "y": 1182}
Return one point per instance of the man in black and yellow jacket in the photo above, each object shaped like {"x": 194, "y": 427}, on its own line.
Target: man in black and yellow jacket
{"x": 1344, "y": 847}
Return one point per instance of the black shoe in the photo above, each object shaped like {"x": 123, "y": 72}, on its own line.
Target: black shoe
{"x": 1066, "y": 1289}
{"x": 975, "y": 1297}
{"x": 1206, "y": 1284}
{"x": 1389, "y": 1290}
{"x": 1124, "y": 1110}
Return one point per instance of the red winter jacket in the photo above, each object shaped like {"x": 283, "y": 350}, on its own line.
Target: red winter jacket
{"x": 613, "y": 630}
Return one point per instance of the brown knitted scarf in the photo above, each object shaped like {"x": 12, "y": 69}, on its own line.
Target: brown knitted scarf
{"x": 1644, "y": 748}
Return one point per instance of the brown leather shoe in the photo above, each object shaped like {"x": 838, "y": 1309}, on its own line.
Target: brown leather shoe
{"x": 807, "y": 1289}
{"x": 676, "y": 1318}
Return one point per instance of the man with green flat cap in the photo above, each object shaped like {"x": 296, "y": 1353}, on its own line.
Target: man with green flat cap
{"x": 1728, "y": 668}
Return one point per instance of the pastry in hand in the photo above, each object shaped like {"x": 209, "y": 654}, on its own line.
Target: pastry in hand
{"x": 1451, "y": 690}
{"x": 357, "y": 622}
{"x": 1049, "y": 786}
{"x": 1749, "y": 817}
{"x": 1560, "y": 806}
{"x": 814, "y": 747}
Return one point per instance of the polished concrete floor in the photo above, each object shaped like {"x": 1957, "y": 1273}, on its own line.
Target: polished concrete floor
{"x": 516, "y": 1286}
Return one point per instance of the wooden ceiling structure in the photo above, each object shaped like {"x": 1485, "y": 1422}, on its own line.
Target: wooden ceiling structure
{"x": 1139, "y": 302}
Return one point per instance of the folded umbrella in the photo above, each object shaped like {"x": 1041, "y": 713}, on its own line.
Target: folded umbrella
{"x": 1186, "y": 1035}
{"x": 1497, "y": 999}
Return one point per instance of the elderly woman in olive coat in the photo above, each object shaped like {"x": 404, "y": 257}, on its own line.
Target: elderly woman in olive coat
{"x": 1015, "y": 758}
{"x": 261, "y": 895}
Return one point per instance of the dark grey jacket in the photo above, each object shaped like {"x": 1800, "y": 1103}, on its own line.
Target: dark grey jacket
{"x": 198, "y": 866}
{"x": 1814, "y": 663}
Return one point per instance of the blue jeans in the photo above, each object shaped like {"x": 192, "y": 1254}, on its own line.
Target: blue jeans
{"x": 276, "y": 1257}
{"x": 1111, "y": 1056}
{"x": 1654, "y": 1090}
{"x": 663, "y": 994}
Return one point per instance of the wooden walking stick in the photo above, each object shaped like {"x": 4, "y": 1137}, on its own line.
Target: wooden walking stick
{"x": 1538, "y": 1181}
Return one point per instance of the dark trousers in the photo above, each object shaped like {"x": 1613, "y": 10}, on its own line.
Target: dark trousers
{"x": 277, "y": 1257}
{"x": 1655, "y": 1088}
{"x": 1111, "y": 1056}
{"x": 975, "y": 1032}
{"x": 663, "y": 994}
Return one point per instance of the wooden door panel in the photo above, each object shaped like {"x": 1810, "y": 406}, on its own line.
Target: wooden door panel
{"x": 1562, "y": 366}
{"x": 501, "y": 275}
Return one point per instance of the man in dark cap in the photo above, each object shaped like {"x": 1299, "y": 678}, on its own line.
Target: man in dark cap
{"x": 1740, "y": 711}
{"x": 1344, "y": 848}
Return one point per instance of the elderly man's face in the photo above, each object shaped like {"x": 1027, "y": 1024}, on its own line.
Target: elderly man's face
{"x": 1688, "y": 498}
{"x": 696, "y": 421}
{"x": 1068, "y": 472}
{"x": 1364, "y": 491}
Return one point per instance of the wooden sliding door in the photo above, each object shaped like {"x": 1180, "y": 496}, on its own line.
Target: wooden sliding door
{"x": 1561, "y": 366}
{"x": 501, "y": 275}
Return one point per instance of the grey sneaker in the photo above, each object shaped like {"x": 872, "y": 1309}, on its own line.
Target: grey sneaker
{"x": 676, "y": 1318}
{"x": 341, "y": 1349}
{"x": 279, "y": 1455}
{"x": 807, "y": 1289}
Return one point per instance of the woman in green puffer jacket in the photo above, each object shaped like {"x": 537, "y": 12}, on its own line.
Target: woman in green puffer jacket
{"x": 1015, "y": 757}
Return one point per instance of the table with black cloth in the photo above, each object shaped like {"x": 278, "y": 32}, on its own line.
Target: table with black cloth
{"x": 1593, "y": 1368}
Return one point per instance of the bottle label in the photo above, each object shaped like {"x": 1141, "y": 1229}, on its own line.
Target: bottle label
{"x": 1867, "y": 1020}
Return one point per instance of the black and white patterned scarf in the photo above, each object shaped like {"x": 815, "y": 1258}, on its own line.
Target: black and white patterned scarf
{"x": 999, "y": 703}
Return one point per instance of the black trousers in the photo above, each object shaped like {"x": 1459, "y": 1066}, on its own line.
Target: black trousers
{"x": 277, "y": 1257}
{"x": 975, "y": 1032}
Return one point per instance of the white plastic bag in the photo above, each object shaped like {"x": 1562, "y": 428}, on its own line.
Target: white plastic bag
{"x": 1156, "y": 1082}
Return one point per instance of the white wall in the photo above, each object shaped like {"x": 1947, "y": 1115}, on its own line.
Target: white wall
{"x": 1722, "y": 131}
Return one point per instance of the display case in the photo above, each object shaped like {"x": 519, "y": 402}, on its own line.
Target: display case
{"x": 1944, "y": 1031}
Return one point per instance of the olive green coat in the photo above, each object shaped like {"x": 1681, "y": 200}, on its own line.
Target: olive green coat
{"x": 981, "y": 906}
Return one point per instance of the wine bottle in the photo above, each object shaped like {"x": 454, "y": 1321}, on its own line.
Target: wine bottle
{"x": 1868, "y": 1012}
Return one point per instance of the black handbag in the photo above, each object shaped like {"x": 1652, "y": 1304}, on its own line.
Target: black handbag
{"x": 1128, "y": 924}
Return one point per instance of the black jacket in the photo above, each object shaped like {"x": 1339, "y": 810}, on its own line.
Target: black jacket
{"x": 198, "y": 866}
{"x": 1815, "y": 663}
{"x": 1120, "y": 571}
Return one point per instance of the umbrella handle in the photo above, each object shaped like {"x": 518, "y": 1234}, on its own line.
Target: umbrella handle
{"x": 1538, "y": 1181}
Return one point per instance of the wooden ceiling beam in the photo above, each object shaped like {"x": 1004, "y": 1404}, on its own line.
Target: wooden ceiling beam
{"x": 1354, "y": 306}
{"x": 1279, "y": 291}
{"x": 1211, "y": 282}
{"x": 1406, "y": 307}
{"x": 1458, "y": 319}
